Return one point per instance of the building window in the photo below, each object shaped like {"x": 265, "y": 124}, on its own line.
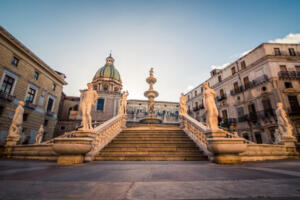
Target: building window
{"x": 195, "y": 93}
{"x": 100, "y": 104}
{"x": 53, "y": 87}
{"x": 224, "y": 115}
{"x": 258, "y": 137}
{"x": 7, "y": 84}
{"x": 25, "y": 117}
{"x": 297, "y": 68}
{"x": 236, "y": 87}
{"x": 243, "y": 64}
{"x": 30, "y": 95}
{"x": 283, "y": 68}
{"x": 36, "y": 75}
{"x": 240, "y": 111}
{"x": 277, "y": 51}
{"x": 288, "y": 85}
{"x": 246, "y": 82}
{"x": 188, "y": 97}
{"x": 222, "y": 93}
{"x": 292, "y": 52}
{"x": 233, "y": 70}
{"x": 15, "y": 61}
{"x": 45, "y": 122}
{"x": 294, "y": 104}
{"x": 220, "y": 78}
{"x": 50, "y": 104}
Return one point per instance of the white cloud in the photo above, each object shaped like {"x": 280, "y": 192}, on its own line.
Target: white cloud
{"x": 219, "y": 66}
{"x": 290, "y": 38}
{"x": 189, "y": 87}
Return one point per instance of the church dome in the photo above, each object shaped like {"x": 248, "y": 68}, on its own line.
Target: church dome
{"x": 108, "y": 70}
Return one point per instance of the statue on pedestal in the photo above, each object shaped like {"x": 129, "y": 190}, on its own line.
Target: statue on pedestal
{"x": 15, "y": 129}
{"x": 88, "y": 101}
{"x": 182, "y": 105}
{"x": 39, "y": 135}
{"x": 284, "y": 127}
{"x": 123, "y": 103}
{"x": 210, "y": 107}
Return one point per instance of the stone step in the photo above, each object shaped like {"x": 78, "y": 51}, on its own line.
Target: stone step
{"x": 150, "y": 158}
{"x": 184, "y": 149}
{"x": 153, "y": 131}
{"x": 149, "y": 153}
{"x": 151, "y": 145}
{"x": 152, "y": 141}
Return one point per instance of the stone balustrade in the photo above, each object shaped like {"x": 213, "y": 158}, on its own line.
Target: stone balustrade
{"x": 104, "y": 134}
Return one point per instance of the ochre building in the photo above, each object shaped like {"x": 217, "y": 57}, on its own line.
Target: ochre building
{"x": 25, "y": 77}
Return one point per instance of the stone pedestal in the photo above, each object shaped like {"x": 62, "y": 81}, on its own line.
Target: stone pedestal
{"x": 226, "y": 150}
{"x": 216, "y": 134}
{"x": 72, "y": 150}
{"x": 290, "y": 144}
{"x": 12, "y": 140}
{"x": 124, "y": 117}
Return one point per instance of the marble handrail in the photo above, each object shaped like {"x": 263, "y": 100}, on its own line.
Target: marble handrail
{"x": 104, "y": 134}
{"x": 196, "y": 131}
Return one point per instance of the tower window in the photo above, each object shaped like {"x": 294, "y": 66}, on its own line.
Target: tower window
{"x": 100, "y": 104}
{"x": 15, "y": 61}
{"x": 288, "y": 85}
{"x": 292, "y": 52}
{"x": 277, "y": 52}
{"x": 36, "y": 76}
{"x": 243, "y": 64}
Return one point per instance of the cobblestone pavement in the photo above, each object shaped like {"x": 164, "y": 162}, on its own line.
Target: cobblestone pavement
{"x": 23, "y": 179}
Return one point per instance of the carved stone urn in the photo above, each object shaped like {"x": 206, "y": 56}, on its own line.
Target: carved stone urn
{"x": 226, "y": 150}
{"x": 72, "y": 150}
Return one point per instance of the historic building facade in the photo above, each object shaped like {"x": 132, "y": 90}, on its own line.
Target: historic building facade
{"x": 25, "y": 77}
{"x": 108, "y": 84}
{"x": 249, "y": 88}
{"x": 164, "y": 110}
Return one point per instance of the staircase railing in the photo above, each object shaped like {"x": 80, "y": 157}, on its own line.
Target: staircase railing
{"x": 104, "y": 134}
{"x": 197, "y": 132}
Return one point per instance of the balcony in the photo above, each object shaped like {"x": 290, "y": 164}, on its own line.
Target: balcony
{"x": 6, "y": 96}
{"x": 294, "y": 112}
{"x": 30, "y": 105}
{"x": 243, "y": 118}
{"x": 199, "y": 107}
{"x": 289, "y": 75}
{"x": 251, "y": 84}
{"x": 266, "y": 114}
{"x": 221, "y": 98}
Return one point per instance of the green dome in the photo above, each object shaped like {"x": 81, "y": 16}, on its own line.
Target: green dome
{"x": 108, "y": 71}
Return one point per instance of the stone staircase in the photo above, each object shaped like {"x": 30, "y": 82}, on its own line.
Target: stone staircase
{"x": 151, "y": 143}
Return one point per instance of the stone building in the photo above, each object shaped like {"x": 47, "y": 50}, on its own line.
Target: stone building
{"x": 108, "y": 84}
{"x": 25, "y": 77}
{"x": 249, "y": 88}
{"x": 164, "y": 110}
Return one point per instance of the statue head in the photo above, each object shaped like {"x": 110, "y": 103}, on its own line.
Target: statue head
{"x": 21, "y": 103}
{"x": 90, "y": 86}
{"x": 205, "y": 85}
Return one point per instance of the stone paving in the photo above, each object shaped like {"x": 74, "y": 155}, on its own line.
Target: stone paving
{"x": 23, "y": 179}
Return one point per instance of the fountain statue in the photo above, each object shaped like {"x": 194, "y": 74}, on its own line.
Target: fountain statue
{"x": 151, "y": 94}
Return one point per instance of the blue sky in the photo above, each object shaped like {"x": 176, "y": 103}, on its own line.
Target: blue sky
{"x": 180, "y": 39}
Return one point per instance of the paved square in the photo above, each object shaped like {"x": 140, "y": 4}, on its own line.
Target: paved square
{"x": 23, "y": 179}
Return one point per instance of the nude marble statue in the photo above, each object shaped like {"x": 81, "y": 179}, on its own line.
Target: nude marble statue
{"x": 15, "y": 129}
{"x": 123, "y": 103}
{"x": 284, "y": 127}
{"x": 182, "y": 105}
{"x": 39, "y": 135}
{"x": 88, "y": 101}
{"x": 210, "y": 107}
